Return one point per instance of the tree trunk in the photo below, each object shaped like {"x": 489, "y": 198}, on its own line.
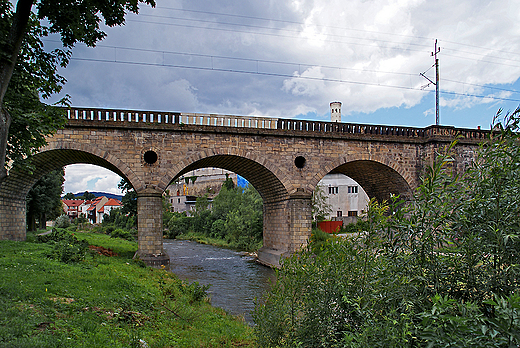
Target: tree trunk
{"x": 11, "y": 48}
{"x": 43, "y": 221}
{"x": 5, "y": 123}
{"x": 31, "y": 221}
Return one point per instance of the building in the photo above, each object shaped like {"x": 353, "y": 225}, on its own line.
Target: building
{"x": 92, "y": 210}
{"x": 106, "y": 208}
{"x": 197, "y": 183}
{"x": 72, "y": 207}
{"x": 344, "y": 196}
{"x": 335, "y": 111}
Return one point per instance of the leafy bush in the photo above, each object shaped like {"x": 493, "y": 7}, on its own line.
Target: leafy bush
{"x": 193, "y": 292}
{"x": 178, "y": 224}
{"x": 62, "y": 221}
{"x": 66, "y": 247}
{"x": 123, "y": 234}
{"x": 442, "y": 271}
{"x": 236, "y": 216}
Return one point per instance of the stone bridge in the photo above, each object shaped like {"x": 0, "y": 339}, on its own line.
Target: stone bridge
{"x": 283, "y": 159}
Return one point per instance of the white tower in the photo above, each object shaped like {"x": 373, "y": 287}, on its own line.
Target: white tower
{"x": 335, "y": 112}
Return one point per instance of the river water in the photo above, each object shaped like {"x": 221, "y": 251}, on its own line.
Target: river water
{"x": 235, "y": 278}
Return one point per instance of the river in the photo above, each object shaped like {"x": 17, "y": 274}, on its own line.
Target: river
{"x": 235, "y": 278}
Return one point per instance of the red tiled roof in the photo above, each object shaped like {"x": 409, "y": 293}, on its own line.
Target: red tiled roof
{"x": 113, "y": 202}
{"x": 72, "y": 202}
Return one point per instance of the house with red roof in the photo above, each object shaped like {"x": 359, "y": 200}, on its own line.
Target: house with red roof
{"x": 72, "y": 207}
{"x": 93, "y": 210}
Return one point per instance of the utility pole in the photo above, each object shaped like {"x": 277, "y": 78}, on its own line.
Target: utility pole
{"x": 436, "y": 83}
{"x": 434, "y": 53}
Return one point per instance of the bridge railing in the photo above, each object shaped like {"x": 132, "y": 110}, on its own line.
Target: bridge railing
{"x": 171, "y": 117}
{"x": 379, "y": 130}
{"x": 113, "y": 115}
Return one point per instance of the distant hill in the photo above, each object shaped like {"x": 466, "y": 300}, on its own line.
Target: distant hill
{"x": 99, "y": 194}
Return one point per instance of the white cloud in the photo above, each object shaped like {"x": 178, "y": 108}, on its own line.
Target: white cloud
{"x": 305, "y": 87}
{"x": 87, "y": 177}
{"x": 366, "y": 44}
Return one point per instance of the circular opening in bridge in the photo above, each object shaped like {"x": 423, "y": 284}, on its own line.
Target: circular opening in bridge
{"x": 150, "y": 157}
{"x": 299, "y": 162}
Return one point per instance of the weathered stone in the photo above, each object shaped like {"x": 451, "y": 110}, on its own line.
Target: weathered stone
{"x": 383, "y": 160}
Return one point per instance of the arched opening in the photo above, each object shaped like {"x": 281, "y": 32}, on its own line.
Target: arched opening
{"x": 263, "y": 180}
{"x": 277, "y": 238}
{"x": 343, "y": 194}
{"x": 97, "y": 187}
{"x": 14, "y": 189}
{"x": 377, "y": 179}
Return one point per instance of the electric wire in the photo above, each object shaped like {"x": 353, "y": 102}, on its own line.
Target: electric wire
{"x": 323, "y": 79}
{"x": 340, "y": 28}
{"x": 299, "y": 64}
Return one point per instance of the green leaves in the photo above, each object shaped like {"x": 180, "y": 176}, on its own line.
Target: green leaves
{"x": 443, "y": 271}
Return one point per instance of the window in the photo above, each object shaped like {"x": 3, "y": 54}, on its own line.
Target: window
{"x": 340, "y": 213}
{"x": 333, "y": 190}
{"x": 352, "y": 189}
{"x": 178, "y": 200}
{"x": 352, "y": 213}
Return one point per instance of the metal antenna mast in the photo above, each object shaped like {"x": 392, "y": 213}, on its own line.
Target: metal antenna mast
{"x": 436, "y": 83}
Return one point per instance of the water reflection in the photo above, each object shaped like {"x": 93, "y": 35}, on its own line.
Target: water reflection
{"x": 235, "y": 279}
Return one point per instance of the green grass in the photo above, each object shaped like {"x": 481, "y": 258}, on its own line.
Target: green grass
{"x": 104, "y": 302}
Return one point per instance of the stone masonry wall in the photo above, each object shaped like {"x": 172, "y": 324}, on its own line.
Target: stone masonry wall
{"x": 283, "y": 165}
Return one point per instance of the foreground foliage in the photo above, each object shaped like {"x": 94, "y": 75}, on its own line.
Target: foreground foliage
{"x": 102, "y": 301}
{"x": 441, "y": 272}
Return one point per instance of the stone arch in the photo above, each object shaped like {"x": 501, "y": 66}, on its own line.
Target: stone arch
{"x": 14, "y": 189}
{"x": 263, "y": 179}
{"x": 286, "y": 218}
{"x": 379, "y": 179}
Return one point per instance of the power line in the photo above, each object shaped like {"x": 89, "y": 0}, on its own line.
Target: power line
{"x": 289, "y": 76}
{"x": 255, "y": 60}
{"x": 295, "y": 64}
{"x": 336, "y": 27}
{"x": 286, "y": 36}
{"x": 270, "y": 28}
{"x": 291, "y": 22}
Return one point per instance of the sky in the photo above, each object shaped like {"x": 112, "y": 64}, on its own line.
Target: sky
{"x": 290, "y": 59}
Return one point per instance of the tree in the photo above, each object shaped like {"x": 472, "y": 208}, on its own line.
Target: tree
{"x": 320, "y": 207}
{"x": 44, "y": 199}
{"x": 28, "y": 69}
{"x": 87, "y": 196}
{"x": 129, "y": 200}
{"x": 69, "y": 195}
{"x": 441, "y": 271}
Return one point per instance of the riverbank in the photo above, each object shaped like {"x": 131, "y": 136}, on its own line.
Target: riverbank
{"x": 105, "y": 301}
{"x": 204, "y": 239}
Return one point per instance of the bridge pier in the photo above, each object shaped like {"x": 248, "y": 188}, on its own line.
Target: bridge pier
{"x": 287, "y": 227}
{"x": 150, "y": 228}
{"x": 12, "y": 218}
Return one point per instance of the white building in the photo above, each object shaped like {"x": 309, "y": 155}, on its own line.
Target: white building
{"x": 344, "y": 196}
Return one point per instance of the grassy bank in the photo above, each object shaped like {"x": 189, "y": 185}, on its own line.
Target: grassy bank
{"x": 204, "y": 239}
{"x": 104, "y": 302}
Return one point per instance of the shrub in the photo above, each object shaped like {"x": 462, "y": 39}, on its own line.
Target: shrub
{"x": 66, "y": 247}
{"x": 442, "y": 271}
{"x": 178, "y": 224}
{"x": 123, "y": 234}
{"x": 62, "y": 221}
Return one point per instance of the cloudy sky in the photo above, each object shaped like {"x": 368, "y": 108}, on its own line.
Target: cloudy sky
{"x": 292, "y": 58}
